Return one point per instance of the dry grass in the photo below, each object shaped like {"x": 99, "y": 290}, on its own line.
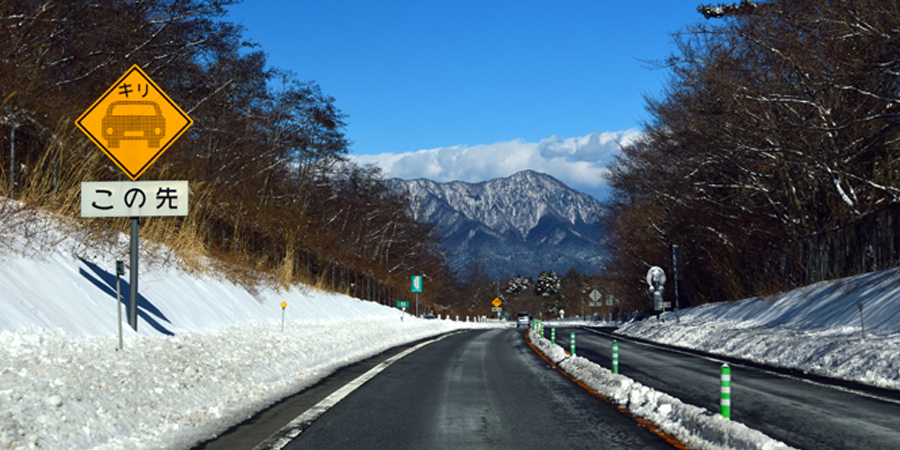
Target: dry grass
{"x": 284, "y": 273}
{"x": 52, "y": 184}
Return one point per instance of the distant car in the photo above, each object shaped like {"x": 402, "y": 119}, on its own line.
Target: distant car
{"x": 427, "y": 316}
{"x": 134, "y": 120}
{"x": 523, "y": 319}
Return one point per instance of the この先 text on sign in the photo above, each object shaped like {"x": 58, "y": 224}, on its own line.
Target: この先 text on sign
{"x": 134, "y": 198}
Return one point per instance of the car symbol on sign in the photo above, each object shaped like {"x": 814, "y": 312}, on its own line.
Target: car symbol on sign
{"x": 133, "y": 120}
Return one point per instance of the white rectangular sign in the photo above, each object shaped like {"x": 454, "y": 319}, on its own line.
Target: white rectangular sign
{"x": 134, "y": 198}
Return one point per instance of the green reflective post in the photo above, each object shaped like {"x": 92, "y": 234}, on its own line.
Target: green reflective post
{"x": 573, "y": 343}
{"x": 725, "y": 405}
{"x": 615, "y": 357}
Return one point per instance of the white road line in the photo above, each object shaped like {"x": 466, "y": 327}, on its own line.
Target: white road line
{"x": 286, "y": 434}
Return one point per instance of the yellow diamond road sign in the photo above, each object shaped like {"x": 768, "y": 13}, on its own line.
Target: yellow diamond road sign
{"x": 497, "y": 302}
{"x": 134, "y": 122}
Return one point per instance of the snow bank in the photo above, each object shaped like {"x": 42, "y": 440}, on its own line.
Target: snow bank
{"x": 172, "y": 392}
{"x": 816, "y": 329}
{"x": 78, "y": 295}
{"x": 208, "y": 353}
{"x": 696, "y": 427}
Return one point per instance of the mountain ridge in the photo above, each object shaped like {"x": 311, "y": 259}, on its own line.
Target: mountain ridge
{"x": 522, "y": 224}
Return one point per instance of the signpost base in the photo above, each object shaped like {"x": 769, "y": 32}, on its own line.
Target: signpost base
{"x": 120, "y": 270}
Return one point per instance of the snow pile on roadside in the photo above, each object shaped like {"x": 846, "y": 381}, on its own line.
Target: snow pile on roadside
{"x": 696, "y": 427}
{"x": 173, "y": 392}
{"x": 816, "y": 329}
{"x": 208, "y": 352}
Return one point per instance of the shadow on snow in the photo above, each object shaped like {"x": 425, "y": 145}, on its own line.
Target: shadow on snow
{"x": 106, "y": 282}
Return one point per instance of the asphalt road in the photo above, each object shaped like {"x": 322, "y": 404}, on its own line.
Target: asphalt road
{"x": 806, "y": 414}
{"x": 474, "y": 390}
{"x": 262, "y": 426}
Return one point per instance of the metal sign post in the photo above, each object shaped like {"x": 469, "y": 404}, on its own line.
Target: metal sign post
{"x": 862, "y": 322}
{"x": 416, "y": 287}
{"x": 120, "y": 270}
{"x": 134, "y": 199}
{"x": 403, "y": 305}
{"x": 676, "y": 263}
{"x": 133, "y": 272}
{"x": 609, "y": 305}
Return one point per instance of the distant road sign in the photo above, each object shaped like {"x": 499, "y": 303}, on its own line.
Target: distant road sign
{"x": 596, "y": 304}
{"x": 595, "y": 295}
{"x": 416, "y": 283}
{"x": 656, "y": 278}
{"x": 134, "y": 198}
{"x": 497, "y": 302}
{"x": 134, "y": 122}
{"x": 496, "y": 309}
{"x": 403, "y": 304}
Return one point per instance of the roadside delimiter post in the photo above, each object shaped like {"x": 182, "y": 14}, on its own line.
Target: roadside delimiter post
{"x": 615, "y": 357}
{"x": 725, "y": 404}
{"x": 572, "y": 343}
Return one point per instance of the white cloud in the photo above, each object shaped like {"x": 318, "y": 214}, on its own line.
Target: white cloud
{"x": 580, "y": 162}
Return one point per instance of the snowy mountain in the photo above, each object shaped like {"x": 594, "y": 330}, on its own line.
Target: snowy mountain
{"x": 524, "y": 224}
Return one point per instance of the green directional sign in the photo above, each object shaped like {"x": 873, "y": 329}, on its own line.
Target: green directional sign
{"x": 416, "y": 284}
{"x": 403, "y": 304}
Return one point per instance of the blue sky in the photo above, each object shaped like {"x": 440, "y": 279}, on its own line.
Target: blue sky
{"x": 476, "y": 90}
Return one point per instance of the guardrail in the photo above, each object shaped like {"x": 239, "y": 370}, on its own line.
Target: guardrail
{"x": 589, "y": 320}
{"x": 618, "y": 319}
